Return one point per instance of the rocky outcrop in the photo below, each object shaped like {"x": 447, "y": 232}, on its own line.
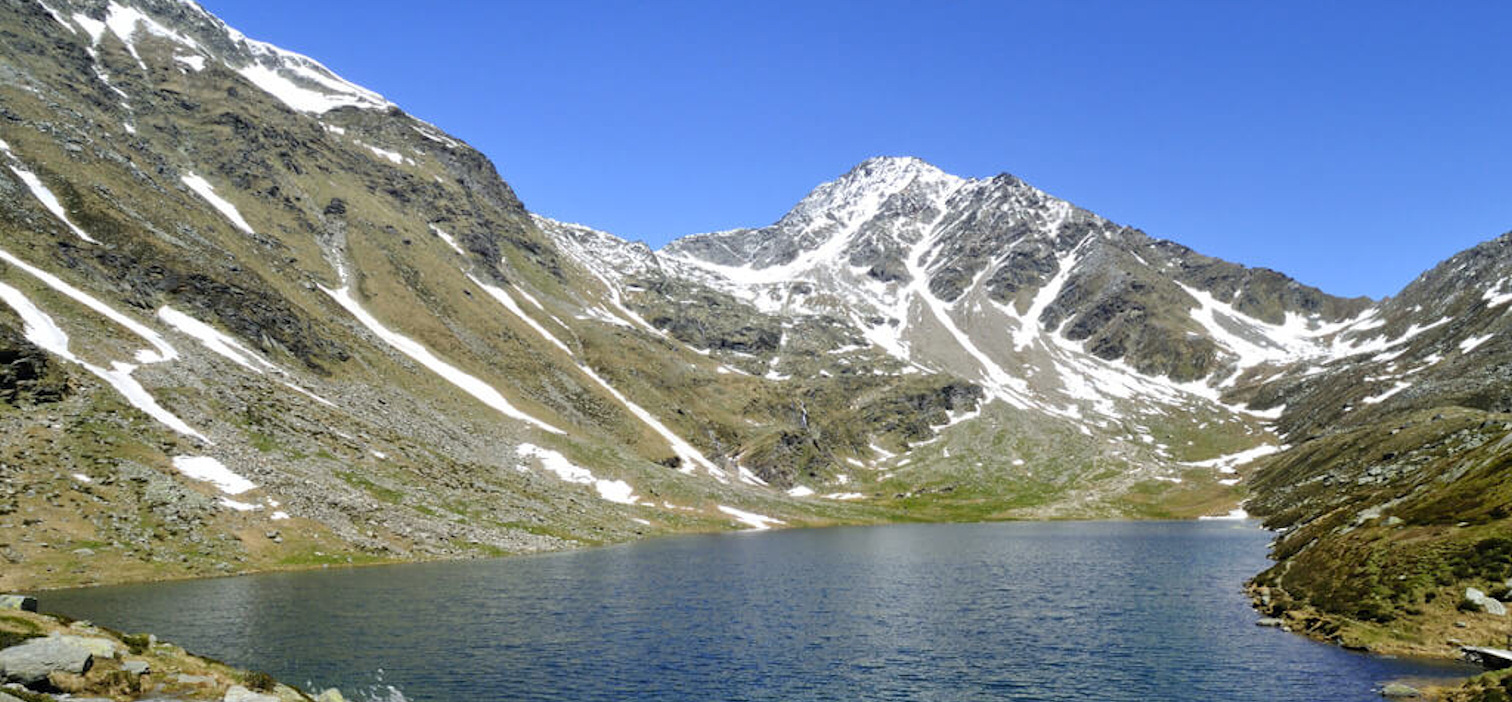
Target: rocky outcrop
{"x": 1485, "y": 602}
{"x": 28, "y": 375}
{"x": 18, "y": 602}
{"x": 31, "y": 663}
{"x": 77, "y": 660}
{"x": 237, "y": 693}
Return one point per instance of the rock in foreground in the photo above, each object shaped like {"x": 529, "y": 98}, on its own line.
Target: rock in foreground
{"x": 32, "y": 662}
{"x": 46, "y": 656}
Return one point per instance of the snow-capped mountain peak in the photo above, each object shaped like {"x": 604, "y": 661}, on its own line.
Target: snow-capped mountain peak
{"x": 861, "y": 193}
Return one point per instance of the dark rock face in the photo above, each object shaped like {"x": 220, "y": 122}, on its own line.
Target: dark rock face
{"x": 825, "y": 421}
{"x": 265, "y": 319}
{"x": 28, "y": 375}
{"x": 708, "y": 320}
{"x": 1026, "y": 267}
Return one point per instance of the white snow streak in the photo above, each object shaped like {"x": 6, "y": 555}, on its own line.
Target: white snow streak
{"x": 757, "y": 522}
{"x": 1496, "y": 296}
{"x": 40, "y": 329}
{"x": 393, "y": 156}
{"x": 197, "y": 63}
{"x": 214, "y": 340}
{"x": 43, "y": 195}
{"x": 448, "y": 239}
{"x": 210, "y": 470}
{"x": 238, "y": 506}
{"x": 299, "y": 97}
{"x": 229, "y": 348}
{"x": 464, "y": 381}
{"x": 1227, "y": 463}
{"x": 202, "y": 187}
{"x": 690, "y": 456}
{"x": 1377, "y": 399}
{"x": 617, "y": 491}
{"x": 1470, "y": 343}
{"x": 1029, "y": 324}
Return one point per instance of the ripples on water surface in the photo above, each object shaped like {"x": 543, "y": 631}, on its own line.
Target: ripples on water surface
{"x": 1059, "y": 611}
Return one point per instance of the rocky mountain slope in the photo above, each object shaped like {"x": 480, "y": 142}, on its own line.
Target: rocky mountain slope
{"x": 256, "y": 317}
{"x": 1394, "y": 502}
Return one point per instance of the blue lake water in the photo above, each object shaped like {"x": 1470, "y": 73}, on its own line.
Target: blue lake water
{"x": 1018, "y": 611}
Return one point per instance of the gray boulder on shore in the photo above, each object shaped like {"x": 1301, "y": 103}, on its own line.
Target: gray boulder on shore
{"x": 21, "y": 602}
{"x": 237, "y": 693}
{"x": 1487, "y": 603}
{"x": 30, "y": 663}
{"x": 1400, "y": 691}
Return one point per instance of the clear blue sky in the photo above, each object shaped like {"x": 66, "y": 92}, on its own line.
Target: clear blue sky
{"x": 1350, "y": 145}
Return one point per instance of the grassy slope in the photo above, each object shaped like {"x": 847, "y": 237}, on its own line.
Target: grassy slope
{"x": 1386, "y": 526}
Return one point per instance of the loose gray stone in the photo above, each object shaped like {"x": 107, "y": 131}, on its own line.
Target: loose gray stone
{"x": 100, "y": 648}
{"x": 331, "y": 695}
{"x": 1400, "y": 691}
{"x": 21, "y": 602}
{"x": 7, "y": 698}
{"x": 1486, "y": 602}
{"x": 237, "y": 693}
{"x": 136, "y": 667}
{"x": 31, "y": 662}
{"x": 1269, "y": 621}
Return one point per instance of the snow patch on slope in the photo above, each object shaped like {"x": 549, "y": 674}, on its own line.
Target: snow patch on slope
{"x": 214, "y": 340}
{"x": 448, "y": 239}
{"x": 1377, "y": 399}
{"x": 1470, "y": 343}
{"x": 690, "y": 456}
{"x": 1227, "y": 463}
{"x": 756, "y": 522}
{"x": 40, "y": 191}
{"x": 301, "y": 82}
{"x": 202, "y": 187}
{"x": 468, "y": 383}
{"x": 231, "y": 349}
{"x": 210, "y": 470}
{"x": 42, "y": 330}
{"x": 617, "y": 491}
{"x": 1499, "y": 294}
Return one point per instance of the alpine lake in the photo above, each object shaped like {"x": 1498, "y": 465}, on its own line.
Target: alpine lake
{"x": 1003, "y": 611}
